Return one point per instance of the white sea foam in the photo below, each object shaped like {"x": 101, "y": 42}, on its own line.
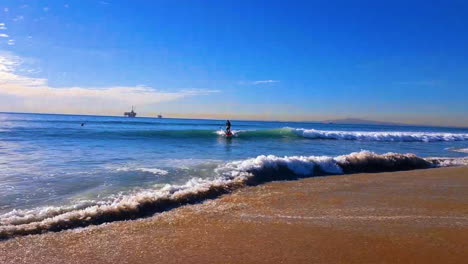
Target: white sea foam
{"x": 299, "y": 165}
{"x": 19, "y": 217}
{"x": 462, "y": 150}
{"x": 450, "y": 162}
{"x": 234, "y": 132}
{"x": 226, "y": 177}
{"x": 379, "y": 136}
{"x": 154, "y": 171}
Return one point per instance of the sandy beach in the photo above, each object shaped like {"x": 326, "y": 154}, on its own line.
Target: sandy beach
{"x": 416, "y": 216}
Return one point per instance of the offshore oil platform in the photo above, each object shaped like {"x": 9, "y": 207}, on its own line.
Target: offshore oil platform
{"x": 130, "y": 114}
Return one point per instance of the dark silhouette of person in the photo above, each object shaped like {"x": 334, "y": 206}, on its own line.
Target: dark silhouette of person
{"x": 228, "y": 127}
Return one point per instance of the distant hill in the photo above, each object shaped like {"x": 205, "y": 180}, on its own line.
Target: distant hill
{"x": 360, "y": 121}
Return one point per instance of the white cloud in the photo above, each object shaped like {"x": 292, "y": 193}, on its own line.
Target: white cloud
{"x": 265, "y": 81}
{"x": 257, "y": 82}
{"x": 4, "y": 36}
{"x": 11, "y": 42}
{"x": 22, "y": 93}
{"x": 2, "y": 26}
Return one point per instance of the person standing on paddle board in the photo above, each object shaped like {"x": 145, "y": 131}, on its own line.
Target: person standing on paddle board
{"x": 228, "y": 127}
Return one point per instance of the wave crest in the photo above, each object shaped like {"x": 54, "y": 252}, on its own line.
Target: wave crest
{"x": 379, "y": 136}
{"x": 461, "y": 150}
{"x": 388, "y": 136}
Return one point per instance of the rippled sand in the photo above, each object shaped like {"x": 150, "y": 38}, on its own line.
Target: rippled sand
{"x": 418, "y": 216}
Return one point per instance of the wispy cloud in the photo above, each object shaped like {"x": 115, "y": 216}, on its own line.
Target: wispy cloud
{"x": 264, "y": 81}
{"x": 103, "y": 2}
{"x": 22, "y": 93}
{"x": 257, "y": 82}
{"x": 6, "y": 9}
{"x": 46, "y": 9}
{"x": 11, "y": 42}
{"x": 4, "y": 36}
{"x": 2, "y": 26}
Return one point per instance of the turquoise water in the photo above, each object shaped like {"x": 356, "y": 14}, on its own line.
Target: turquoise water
{"x": 51, "y": 160}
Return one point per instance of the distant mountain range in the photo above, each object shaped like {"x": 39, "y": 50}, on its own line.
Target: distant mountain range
{"x": 360, "y": 121}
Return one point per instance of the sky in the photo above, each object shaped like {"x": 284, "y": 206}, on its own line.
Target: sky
{"x": 400, "y": 61}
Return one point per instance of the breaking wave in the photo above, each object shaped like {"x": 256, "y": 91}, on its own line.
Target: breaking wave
{"x": 461, "y": 150}
{"x": 390, "y": 136}
{"x": 380, "y": 136}
{"x": 449, "y": 162}
{"x": 226, "y": 178}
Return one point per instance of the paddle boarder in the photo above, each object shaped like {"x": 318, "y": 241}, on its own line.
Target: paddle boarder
{"x": 228, "y": 127}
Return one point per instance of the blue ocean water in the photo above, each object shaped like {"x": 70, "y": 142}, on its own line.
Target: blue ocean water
{"x": 51, "y": 160}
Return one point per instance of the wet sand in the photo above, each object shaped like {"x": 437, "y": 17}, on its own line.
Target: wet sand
{"x": 403, "y": 217}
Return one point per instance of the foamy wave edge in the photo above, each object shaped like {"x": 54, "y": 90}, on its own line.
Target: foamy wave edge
{"x": 228, "y": 177}
{"x": 380, "y": 135}
{"x": 461, "y": 150}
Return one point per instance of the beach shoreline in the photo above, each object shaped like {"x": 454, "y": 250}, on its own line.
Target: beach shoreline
{"x": 417, "y": 216}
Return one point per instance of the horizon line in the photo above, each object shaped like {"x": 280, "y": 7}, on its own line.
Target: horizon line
{"x": 387, "y": 123}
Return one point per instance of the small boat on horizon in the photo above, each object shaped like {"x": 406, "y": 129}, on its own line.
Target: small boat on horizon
{"x": 160, "y": 116}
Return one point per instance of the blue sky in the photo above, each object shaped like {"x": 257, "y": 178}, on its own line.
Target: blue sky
{"x": 399, "y": 61}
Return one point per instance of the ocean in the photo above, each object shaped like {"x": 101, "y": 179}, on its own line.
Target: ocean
{"x": 56, "y": 174}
